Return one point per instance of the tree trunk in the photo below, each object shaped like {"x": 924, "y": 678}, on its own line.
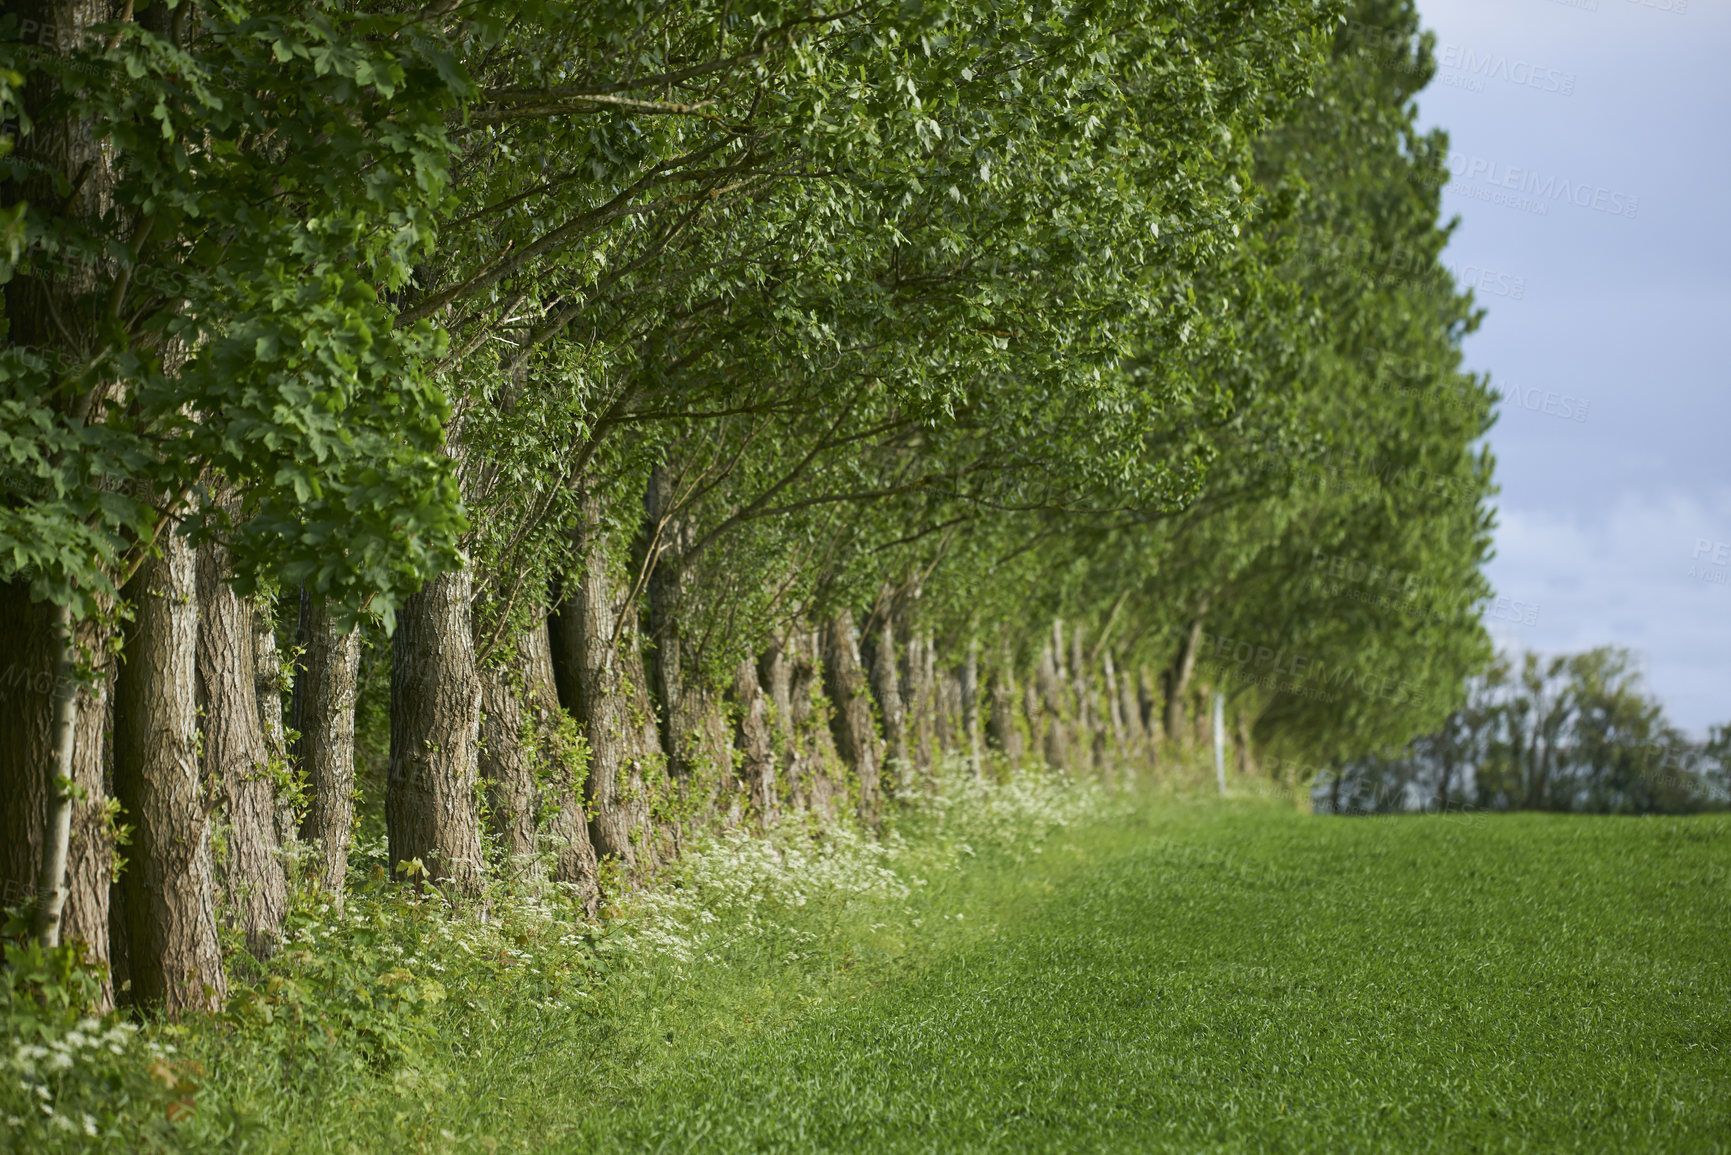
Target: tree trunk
{"x": 167, "y": 889}
{"x": 886, "y": 689}
{"x": 1448, "y": 769}
{"x": 1053, "y": 711}
{"x": 775, "y": 679}
{"x": 234, "y": 762}
{"x": 592, "y": 690}
{"x": 328, "y": 689}
{"x": 560, "y": 772}
{"x": 755, "y": 741}
{"x": 90, "y": 861}
{"x": 1246, "y": 752}
{"x": 28, "y": 686}
{"x": 61, "y": 316}
{"x": 1130, "y": 710}
{"x": 1035, "y": 715}
{"x": 268, "y": 686}
{"x": 1087, "y": 723}
{"x": 917, "y": 693}
{"x": 63, "y": 719}
{"x": 1002, "y": 730}
{"x": 1178, "y": 679}
{"x": 788, "y": 673}
{"x": 1147, "y": 702}
{"x": 693, "y": 730}
{"x": 531, "y": 767}
{"x": 1121, "y": 740}
{"x": 430, "y": 804}
{"x": 971, "y": 736}
{"x": 823, "y": 774}
{"x": 856, "y": 736}
{"x": 507, "y": 764}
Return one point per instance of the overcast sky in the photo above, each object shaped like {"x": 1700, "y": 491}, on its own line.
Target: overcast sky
{"x": 1590, "y": 142}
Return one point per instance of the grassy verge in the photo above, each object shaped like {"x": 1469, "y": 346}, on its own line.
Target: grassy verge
{"x": 398, "y": 1025}
{"x": 1166, "y": 976}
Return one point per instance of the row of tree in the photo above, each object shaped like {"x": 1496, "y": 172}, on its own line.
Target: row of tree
{"x": 716, "y": 405}
{"x": 1572, "y": 732}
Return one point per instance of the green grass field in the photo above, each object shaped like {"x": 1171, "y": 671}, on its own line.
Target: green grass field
{"x": 1176, "y": 976}
{"x": 1243, "y": 978}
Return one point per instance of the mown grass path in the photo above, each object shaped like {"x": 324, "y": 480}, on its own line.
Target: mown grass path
{"x": 1242, "y": 978}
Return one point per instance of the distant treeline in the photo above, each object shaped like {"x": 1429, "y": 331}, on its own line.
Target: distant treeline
{"x": 1574, "y": 733}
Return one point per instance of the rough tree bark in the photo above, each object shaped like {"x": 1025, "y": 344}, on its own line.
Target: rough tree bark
{"x": 167, "y": 890}
{"x": 326, "y": 694}
{"x": 1135, "y": 725}
{"x": 1051, "y": 708}
{"x": 775, "y": 678}
{"x": 755, "y": 741}
{"x": 574, "y": 864}
{"x": 824, "y": 771}
{"x": 1002, "y": 730}
{"x": 28, "y": 685}
{"x": 507, "y": 763}
{"x": 1148, "y": 702}
{"x": 969, "y": 675}
{"x": 430, "y": 804}
{"x": 887, "y": 691}
{"x": 593, "y": 690}
{"x": 917, "y": 694}
{"x": 1178, "y": 679}
{"x": 694, "y": 731}
{"x": 57, "y": 830}
{"x": 527, "y": 765}
{"x": 235, "y": 767}
{"x": 268, "y": 686}
{"x": 789, "y": 673}
{"x": 1087, "y": 720}
{"x": 856, "y": 736}
{"x": 951, "y": 731}
{"x": 1034, "y": 714}
{"x": 1123, "y": 745}
{"x": 90, "y": 852}
{"x": 851, "y": 723}
{"x": 665, "y": 539}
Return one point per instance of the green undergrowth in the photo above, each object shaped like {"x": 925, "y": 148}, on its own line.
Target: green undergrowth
{"x": 398, "y": 1023}
{"x": 1045, "y": 968}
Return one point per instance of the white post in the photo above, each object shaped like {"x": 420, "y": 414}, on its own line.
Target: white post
{"x": 1220, "y": 740}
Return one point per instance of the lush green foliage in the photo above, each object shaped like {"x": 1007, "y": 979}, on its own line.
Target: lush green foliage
{"x": 271, "y": 176}
{"x": 1012, "y": 313}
